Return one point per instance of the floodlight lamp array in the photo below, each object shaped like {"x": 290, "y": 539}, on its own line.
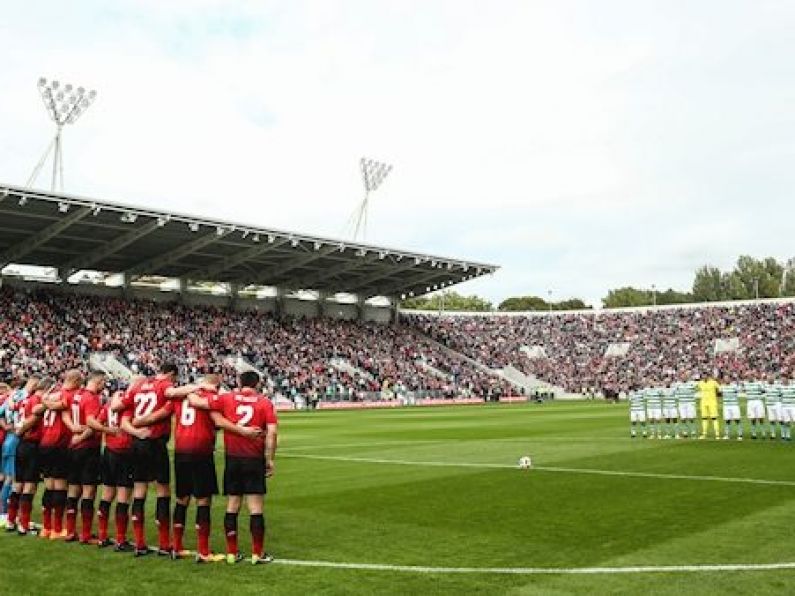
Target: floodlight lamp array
{"x": 373, "y": 173}
{"x": 64, "y": 102}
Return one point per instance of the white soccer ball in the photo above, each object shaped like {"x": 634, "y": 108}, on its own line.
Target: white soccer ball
{"x": 525, "y": 463}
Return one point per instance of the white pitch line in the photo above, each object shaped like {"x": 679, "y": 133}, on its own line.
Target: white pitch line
{"x": 541, "y": 570}
{"x": 438, "y": 464}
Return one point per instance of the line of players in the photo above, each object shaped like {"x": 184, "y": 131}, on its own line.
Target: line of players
{"x": 54, "y": 432}
{"x": 670, "y": 412}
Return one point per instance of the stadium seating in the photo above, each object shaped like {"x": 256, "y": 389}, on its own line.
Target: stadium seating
{"x": 665, "y": 344}
{"x": 52, "y": 331}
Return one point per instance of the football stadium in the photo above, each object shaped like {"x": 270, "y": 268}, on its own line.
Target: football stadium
{"x": 196, "y": 404}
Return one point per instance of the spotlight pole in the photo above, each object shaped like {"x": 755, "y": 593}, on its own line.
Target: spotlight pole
{"x": 373, "y": 174}
{"x": 64, "y": 104}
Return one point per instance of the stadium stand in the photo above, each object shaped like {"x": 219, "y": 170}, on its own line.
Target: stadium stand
{"x": 55, "y": 330}
{"x": 663, "y": 344}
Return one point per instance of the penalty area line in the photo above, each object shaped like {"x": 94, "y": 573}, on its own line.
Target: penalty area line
{"x": 439, "y": 464}
{"x": 540, "y": 570}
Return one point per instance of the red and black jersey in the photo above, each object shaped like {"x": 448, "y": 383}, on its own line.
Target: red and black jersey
{"x": 34, "y": 433}
{"x": 147, "y": 396}
{"x": 121, "y": 442}
{"x": 56, "y": 433}
{"x": 194, "y": 429}
{"x": 245, "y": 407}
{"x": 82, "y": 404}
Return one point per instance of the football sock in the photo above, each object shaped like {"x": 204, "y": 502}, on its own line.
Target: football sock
{"x": 6, "y": 490}
{"x": 163, "y": 520}
{"x": 180, "y": 514}
{"x": 13, "y": 507}
{"x": 122, "y": 520}
{"x": 138, "y": 523}
{"x": 58, "y": 505}
{"x": 257, "y": 527}
{"x": 86, "y": 518}
{"x": 203, "y": 529}
{"x": 103, "y": 513}
{"x": 230, "y": 529}
{"x": 71, "y": 515}
{"x": 25, "y": 505}
{"x": 704, "y": 426}
{"x": 46, "y": 510}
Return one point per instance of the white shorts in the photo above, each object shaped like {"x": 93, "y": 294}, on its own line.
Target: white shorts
{"x": 755, "y": 409}
{"x": 731, "y": 413}
{"x": 637, "y": 416}
{"x": 774, "y": 413}
{"x": 655, "y": 414}
{"x": 670, "y": 413}
{"x": 787, "y": 413}
{"x": 687, "y": 411}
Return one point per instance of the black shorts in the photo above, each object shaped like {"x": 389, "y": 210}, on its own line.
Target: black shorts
{"x": 54, "y": 462}
{"x": 27, "y": 462}
{"x": 195, "y": 475}
{"x": 84, "y": 466}
{"x": 150, "y": 460}
{"x": 244, "y": 476}
{"x": 116, "y": 468}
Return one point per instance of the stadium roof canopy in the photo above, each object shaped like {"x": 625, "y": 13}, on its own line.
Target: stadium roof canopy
{"x": 74, "y": 233}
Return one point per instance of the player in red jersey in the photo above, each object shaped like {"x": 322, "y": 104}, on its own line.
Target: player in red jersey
{"x": 194, "y": 463}
{"x": 54, "y": 454}
{"x": 248, "y": 461}
{"x": 150, "y": 455}
{"x": 116, "y": 472}
{"x": 30, "y": 432}
{"x": 85, "y": 445}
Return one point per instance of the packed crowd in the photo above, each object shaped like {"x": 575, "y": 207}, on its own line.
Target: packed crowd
{"x": 55, "y": 331}
{"x": 665, "y": 345}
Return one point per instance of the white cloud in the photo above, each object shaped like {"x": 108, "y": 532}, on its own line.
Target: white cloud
{"x": 580, "y": 145}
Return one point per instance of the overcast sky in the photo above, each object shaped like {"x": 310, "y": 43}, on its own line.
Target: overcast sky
{"x": 579, "y": 145}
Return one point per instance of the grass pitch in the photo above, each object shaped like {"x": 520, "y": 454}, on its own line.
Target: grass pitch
{"x": 595, "y": 499}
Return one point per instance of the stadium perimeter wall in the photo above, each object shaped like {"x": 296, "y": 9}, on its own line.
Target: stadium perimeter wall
{"x": 290, "y": 306}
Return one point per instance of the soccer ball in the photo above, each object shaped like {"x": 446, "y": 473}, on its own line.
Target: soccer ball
{"x": 525, "y": 463}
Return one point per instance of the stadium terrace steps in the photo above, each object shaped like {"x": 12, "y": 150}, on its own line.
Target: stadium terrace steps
{"x": 433, "y": 370}
{"x": 345, "y": 366}
{"x": 515, "y": 378}
{"x": 110, "y": 365}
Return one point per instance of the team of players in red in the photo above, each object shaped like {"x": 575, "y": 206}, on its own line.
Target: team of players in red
{"x": 61, "y": 430}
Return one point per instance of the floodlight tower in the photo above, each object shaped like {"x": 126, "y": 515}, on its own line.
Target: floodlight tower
{"x": 373, "y": 174}
{"x": 65, "y": 104}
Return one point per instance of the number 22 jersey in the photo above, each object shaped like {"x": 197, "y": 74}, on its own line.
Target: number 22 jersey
{"x": 147, "y": 396}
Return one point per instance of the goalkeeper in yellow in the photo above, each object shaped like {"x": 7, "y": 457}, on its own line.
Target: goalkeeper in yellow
{"x": 708, "y": 390}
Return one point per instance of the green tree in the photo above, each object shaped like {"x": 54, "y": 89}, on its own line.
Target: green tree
{"x": 788, "y": 283}
{"x": 627, "y": 296}
{"x": 766, "y": 274}
{"x": 527, "y": 303}
{"x": 707, "y": 285}
{"x": 447, "y": 301}
{"x": 523, "y": 303}
{"x": 671, "y": 296}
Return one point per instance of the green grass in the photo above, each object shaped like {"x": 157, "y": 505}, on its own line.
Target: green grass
{"x": 352, "y": 511}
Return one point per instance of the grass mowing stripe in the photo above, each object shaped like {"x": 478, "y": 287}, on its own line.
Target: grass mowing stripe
{"x": 541, "y": 570}
{"x": 373, "y": 460}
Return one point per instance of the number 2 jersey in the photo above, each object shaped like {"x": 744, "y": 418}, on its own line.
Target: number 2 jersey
{"x": 248, "y": 408}
{"x": 147, "y": 396}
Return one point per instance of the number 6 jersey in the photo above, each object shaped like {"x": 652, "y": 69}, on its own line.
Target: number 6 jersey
{"x": 194, "y": 431}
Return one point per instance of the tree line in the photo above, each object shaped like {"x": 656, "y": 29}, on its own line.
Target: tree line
{"x": 749, "y": 278}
